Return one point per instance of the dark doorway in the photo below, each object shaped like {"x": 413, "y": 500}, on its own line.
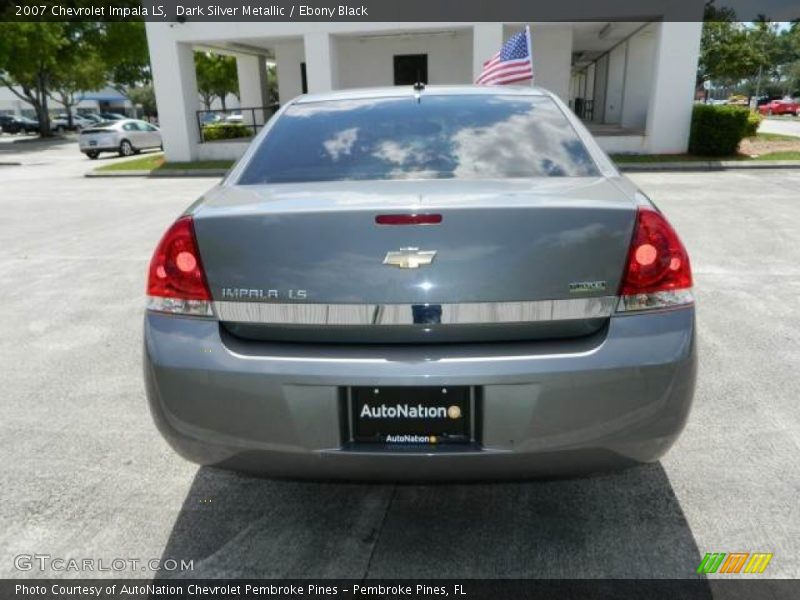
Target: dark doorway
{"x": 303, "y": 78}
{"x": 410, "y": 69}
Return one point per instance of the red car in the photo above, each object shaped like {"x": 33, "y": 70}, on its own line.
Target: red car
{"x": 780, "y": 107}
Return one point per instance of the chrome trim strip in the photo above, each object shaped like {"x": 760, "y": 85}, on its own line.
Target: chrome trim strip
{"x": 402, "y": 314}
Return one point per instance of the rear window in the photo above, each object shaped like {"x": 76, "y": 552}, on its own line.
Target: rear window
{"x": 437, "y": 137}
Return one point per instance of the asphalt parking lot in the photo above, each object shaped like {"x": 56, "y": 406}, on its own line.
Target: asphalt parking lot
{"x": 85, "y": 473}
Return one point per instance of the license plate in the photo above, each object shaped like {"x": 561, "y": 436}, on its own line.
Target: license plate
{"x": 411, "y": 415}
{"x": 93, "y": 142}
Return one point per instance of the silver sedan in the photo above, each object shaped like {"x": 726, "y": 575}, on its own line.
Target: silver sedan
{"x": 125, "y": 137}
{"x": 448, "y": 283}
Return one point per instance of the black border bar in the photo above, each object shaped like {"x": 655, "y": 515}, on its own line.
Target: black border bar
{"x": 739, "y": 587}
{"x": 387, "y": 10}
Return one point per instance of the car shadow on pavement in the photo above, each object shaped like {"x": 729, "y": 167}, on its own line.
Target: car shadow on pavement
{"x": 622, "y": 525}
{"x": 115, "y": 155}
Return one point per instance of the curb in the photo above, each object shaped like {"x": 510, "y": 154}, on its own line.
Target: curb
{"x": 190, "y": 173}
{"x": 162, "y": 173}
{"x": 710, "y": 165}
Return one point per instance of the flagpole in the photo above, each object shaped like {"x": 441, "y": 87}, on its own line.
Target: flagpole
{"x": 530, "y": 49}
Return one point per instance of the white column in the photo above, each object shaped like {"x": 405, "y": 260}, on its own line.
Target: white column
{"x": 487, "y": 39}
{"x": 600, "y": 88}
{"x": 638, "y": 79}
{"x": 251, "y": 71}
{"x": 321, "y": 63}
{"x": 175, "y": 87}
{"x": 288, "y": 58}
{"x": 615, "y": 79}
{"x": 669, "y": 111}
{"x": 552, "y": 58}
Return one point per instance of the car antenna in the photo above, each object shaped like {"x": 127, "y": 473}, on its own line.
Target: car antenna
{"x": 419, "y": 87}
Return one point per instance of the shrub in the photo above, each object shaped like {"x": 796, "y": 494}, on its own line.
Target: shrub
{"x": 225, "y": 131}
{"x": 717, "y": 130}
{"x": 753, "y": 121}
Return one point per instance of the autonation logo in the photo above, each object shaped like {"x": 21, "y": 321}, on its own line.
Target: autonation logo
{"x": 409, "y": 411}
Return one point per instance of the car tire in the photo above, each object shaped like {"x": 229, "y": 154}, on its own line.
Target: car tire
{"x": 93, "y": 154}
{"x": 126, "y": 148}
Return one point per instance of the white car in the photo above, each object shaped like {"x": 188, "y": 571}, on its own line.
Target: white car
{"x": 61, "y": 123}
{"x": 126, "y": 137}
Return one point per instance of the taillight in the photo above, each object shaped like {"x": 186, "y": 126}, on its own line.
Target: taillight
{"x": 176, "y": 282}
{"x": 409, "y": 219}
{"x": 657, "y": 273}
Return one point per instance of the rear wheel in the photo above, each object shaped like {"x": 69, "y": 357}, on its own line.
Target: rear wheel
{"x": 93, "y": 154}
{"x": 126, "y": 148}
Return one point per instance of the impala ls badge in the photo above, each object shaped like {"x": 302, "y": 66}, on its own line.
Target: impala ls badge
{"x": 587, "y": 286}
{"x": 409, "y": 258}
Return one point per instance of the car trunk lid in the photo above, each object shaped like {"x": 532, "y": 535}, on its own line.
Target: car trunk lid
{"x": 502, "y": 252}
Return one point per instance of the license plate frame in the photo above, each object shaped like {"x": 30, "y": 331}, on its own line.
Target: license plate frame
{"x": 411, "y": 415}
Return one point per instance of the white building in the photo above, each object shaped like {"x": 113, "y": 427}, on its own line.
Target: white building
{"x": 632, "y": 82}
{"x": 104, "y": 100}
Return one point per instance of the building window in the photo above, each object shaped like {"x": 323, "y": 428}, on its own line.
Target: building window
{"x": 303, "y": 78}
{"x": 410, "y": 69}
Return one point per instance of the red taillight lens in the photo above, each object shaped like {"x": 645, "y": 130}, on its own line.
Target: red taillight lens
{"x": 176, "y": 281}
{"x": 657, "y": 273}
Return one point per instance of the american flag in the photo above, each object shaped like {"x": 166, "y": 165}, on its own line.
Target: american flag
{"x": 512, "y": 64}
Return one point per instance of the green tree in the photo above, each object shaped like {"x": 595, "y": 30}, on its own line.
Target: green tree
{"x": 216, "y": 77}
{"x": 61, "y": 60}
{"x": 753, "y": 57}
{"x": 226, "y": 80}
{"x": 81, "y": 69}
{"x": 726, "y": 56}
{"x": 203, "y": 65}
{"x": 29, "y": 63}
{"x": 272, "y": 84}
{"x": 143, "y": 95}
{"x": 123, "y": 46}
{"x": 790, "y": 63}
{"x": 762, "y": 36}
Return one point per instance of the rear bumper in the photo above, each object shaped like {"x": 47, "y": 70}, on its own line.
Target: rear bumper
{"x": 615, "y": 399}
{"x": 106, "y": 148}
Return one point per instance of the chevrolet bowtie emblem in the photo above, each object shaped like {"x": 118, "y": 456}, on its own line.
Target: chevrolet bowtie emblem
{"x": 409, "y": 258}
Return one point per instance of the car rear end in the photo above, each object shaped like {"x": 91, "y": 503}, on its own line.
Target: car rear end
{"x": 9, "y": 124}
{"x": 407, "y": 304}
{"x": 100, "y": 137}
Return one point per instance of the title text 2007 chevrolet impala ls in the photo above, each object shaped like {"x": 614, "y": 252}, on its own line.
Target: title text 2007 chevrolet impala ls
{"x": 440, "y": 283}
